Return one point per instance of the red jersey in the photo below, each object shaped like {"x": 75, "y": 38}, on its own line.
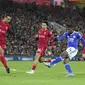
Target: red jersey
{"x": 44, "y": 36}
{"x": 84, "y": 35}
{"x": 3, "y": 29}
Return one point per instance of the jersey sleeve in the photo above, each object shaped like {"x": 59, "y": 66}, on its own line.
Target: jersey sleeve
{"x": 79, "y": 35}
{"x": 51, "y": 36}
{"x": 62, "y": 37}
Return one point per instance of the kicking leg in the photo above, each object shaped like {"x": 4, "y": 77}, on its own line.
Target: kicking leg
{"x": 57, "y": 59}
{"x": 41, "y": 60}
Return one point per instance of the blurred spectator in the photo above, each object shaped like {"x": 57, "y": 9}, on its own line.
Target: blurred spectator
{"x": 26, "y": 22}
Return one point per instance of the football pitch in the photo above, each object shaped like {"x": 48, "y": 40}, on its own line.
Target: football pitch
{"x": 43, "y": 75}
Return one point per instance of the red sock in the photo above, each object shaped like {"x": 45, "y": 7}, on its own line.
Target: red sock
{"x": 34, "y": 67}
{"x": 3, "y": 60}
{"x": 47, "y": 60}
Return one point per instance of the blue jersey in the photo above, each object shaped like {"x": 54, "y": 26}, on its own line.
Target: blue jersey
{"x": 72, "y": 39}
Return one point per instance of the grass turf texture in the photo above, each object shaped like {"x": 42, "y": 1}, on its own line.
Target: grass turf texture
{"x": 43, "y": 75}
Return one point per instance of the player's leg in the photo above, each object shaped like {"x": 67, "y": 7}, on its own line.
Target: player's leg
{"x": 57, "y": 59}
{"x": 66, "y": 61}
{"x": 71, "y": 52}
{"x": 83, "y": 56}
{"x": 36, "y": 61}
{"x": 3, "y": 60}
{"x": 34, "y": 64}
{"x": 37, "y": 56}
{"x": 41, "y": 59}
{"x": 67, "y": 67}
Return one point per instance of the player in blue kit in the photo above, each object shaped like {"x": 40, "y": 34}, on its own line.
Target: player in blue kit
{"x": 72, "y": 49}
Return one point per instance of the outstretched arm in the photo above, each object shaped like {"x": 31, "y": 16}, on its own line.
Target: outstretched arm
{"x": 61, "y": 37}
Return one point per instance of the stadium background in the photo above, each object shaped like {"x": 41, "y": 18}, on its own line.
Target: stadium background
{"x": 26, "y": 18}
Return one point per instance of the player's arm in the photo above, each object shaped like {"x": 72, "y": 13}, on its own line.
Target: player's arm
{"x": 61, "y": 37}
{"x": 37, "y": 36}
{"x": 51, "y": 36}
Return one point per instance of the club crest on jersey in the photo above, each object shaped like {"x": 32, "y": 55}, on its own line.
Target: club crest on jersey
{"x": 74, "y": 36}
{"x": 67, "y": 36}
{"x": 44, "y": 33}
{"x": 6, "y": 28}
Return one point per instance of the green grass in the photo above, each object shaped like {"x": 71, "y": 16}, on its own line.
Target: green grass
{"x": 43, "y": 75}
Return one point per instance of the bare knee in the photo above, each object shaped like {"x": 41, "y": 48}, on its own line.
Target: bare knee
{"x": 40, "y": 60}
{"x": 66, "y": 60}
{"x": 83, "y": 55}
{"x": 64, "y": 54}
{"x": 36, "y": 58}
{"x": 1, "y": 50}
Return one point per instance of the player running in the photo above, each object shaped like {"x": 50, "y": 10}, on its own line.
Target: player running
{"x": 4, "y": 27}
{"x": 44, "y": 35}
{"x": 72, "y": 49}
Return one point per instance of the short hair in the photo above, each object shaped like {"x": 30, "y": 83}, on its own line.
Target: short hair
{"x": 45, "y": 22}
{"x": 7, "y": 16}
{"x": 71, "y": 27}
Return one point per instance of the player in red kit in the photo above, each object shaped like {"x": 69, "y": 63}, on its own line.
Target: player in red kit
{"x": 44, "y": 35}
{"x": 4, "y": 27}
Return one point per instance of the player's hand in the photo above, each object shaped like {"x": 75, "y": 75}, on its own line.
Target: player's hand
{"x": 81, "y": 45}
{"x": 55, "y": 39}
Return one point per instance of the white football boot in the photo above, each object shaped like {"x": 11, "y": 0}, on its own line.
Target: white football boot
{"x": 70, "y": 75}
{"x": 30, "y": 72}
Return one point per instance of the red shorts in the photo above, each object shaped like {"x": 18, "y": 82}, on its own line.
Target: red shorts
{"x": 41, "y": 50}
{"x": 83, "y": 52}
{"x": 3, "y": 46}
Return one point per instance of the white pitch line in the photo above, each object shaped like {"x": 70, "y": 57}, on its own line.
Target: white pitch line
{"x": 12, "y": 69}
{"x": 74, "y": 72}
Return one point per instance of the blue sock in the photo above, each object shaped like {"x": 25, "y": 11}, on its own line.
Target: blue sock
{"x": 68, "y": 68}
{"x": 56, "y": 60}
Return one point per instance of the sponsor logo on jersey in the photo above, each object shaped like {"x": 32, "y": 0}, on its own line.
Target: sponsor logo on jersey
{"x": 41, "y": 36}
{"x": 2, "y": 31}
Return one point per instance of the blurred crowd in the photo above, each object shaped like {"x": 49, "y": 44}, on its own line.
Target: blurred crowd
{"x": 26, "y": 21}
